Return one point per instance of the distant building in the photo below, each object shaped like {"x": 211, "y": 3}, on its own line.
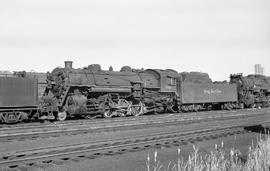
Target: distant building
{"x": 259, "y": 70}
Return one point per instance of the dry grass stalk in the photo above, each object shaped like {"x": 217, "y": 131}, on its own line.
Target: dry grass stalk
{"x": 258, "y": 159}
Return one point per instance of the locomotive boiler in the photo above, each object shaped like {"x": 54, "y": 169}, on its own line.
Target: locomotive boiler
{"x": 90, "y": 92}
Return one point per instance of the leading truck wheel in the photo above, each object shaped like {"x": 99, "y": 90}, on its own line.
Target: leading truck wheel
{"x": 107, "y": 114}
{"x": 61, "y": 116}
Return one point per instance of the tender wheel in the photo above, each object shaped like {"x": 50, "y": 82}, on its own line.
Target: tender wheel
{"x": 22, "y": 116}
{"x": 184, "y": 108}
{"x": 9, "y": 117}
{"x": 227, "y": 106}
{"x": 13, "y": 117}
{"x": 61, "y": 116}
{"x": 196, "y": 108}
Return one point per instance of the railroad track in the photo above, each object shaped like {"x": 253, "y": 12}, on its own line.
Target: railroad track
{"x": 107, "y": 120}
{"x": 43, "y": 157}
{"x": 78, "y": 122}
{"x": 12, "y": 134}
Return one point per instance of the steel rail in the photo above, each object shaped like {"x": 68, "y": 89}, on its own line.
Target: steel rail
{"x": 113, "y": 127}
{"x": 123, "y": 119}
{"x": 46, "y": 133}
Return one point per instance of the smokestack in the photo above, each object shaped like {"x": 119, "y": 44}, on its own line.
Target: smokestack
{"x": 68, "y": 64}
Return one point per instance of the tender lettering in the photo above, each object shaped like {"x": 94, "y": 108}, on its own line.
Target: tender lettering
{"x": 212, "y": 91}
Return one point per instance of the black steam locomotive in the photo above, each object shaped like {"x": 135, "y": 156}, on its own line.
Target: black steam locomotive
{"x": 253, "y": 90}
{"x": 92, "y": 92}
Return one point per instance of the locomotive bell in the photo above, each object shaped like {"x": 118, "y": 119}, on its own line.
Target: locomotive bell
{"x": 68, "y": 64}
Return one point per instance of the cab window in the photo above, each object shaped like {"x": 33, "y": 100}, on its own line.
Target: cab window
{"x": 171, "y": 81}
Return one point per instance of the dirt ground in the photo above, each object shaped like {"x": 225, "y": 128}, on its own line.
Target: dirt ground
{"x": 136, "y": 161}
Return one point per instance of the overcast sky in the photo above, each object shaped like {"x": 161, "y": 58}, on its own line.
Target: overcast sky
{"x": 214, "y": 36}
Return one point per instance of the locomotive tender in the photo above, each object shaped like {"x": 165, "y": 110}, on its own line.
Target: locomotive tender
{"x": 92, "y": 92}
{"x": 18, "y": 98}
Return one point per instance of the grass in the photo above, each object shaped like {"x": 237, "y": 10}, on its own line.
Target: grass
{"x": 258, "y": 159}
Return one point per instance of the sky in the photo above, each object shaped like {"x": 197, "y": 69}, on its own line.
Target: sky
{"x": 219, "y": 37}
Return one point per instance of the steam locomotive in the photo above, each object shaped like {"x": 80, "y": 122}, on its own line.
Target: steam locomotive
{"x": 252, "y": 90}
{"x": 91, "y": 92}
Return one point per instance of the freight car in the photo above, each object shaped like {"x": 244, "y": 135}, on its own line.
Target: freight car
{"x": 253, "y": 90}
{"x": 18, "y": 98}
